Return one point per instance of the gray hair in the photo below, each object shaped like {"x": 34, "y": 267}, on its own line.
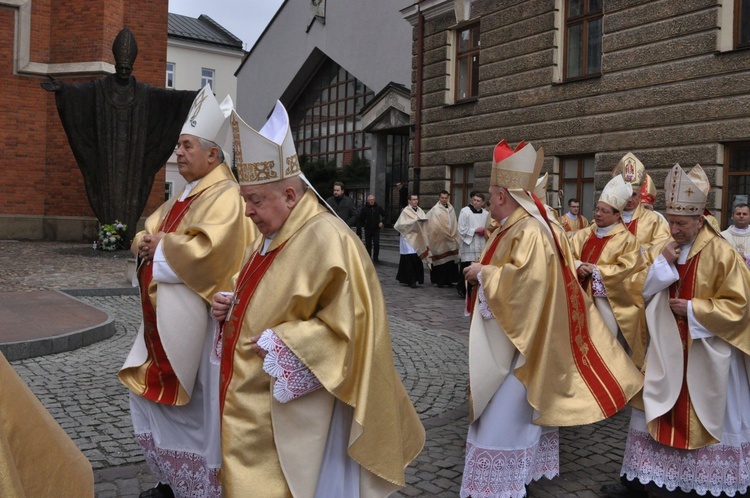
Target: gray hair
{"x": 207, "y": 144}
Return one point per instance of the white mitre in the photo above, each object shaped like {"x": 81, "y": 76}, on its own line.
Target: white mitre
{"x": 207, "y": 118}
{"x": 686, "y": 193}
{"x": 616, "y": 193}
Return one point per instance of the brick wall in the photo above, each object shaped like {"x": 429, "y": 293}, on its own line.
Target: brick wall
{"x": 40, "y": 176}
{"x": 665, "y": 92}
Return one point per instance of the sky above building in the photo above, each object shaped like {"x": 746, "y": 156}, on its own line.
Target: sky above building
{"x": 245, "y": 19}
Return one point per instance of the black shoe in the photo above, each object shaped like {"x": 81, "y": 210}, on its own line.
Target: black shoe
{"x": 160, "y": 491}
{"x": 413, "y": 285}
{"x": 618, "y": 490}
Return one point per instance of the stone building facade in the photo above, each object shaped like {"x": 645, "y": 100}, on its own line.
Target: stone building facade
{"x": 587, "y": 80}
{"x": 43, "y": 196}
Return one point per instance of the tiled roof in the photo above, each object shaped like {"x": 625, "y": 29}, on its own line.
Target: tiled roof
{"x": 201, "y": 30}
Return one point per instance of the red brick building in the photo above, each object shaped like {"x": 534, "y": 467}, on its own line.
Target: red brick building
{"x": 43, "y": 196}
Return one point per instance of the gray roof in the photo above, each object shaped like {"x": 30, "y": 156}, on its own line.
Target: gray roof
{"x": 201, "y": 30}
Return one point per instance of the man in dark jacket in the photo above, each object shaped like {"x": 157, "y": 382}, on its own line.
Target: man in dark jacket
{"x": 343, "y": 205}
{"x": 371, "y": 218}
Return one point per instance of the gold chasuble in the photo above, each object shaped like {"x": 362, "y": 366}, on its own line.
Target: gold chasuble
{"x": 573, "y": 225}
{"x": 37, "y": 458}
{"x": 442, "y": 234}
{"x": 685, "y": 389}
{"x": 412, "y": 230}
{"x": 206, "y": 236}
{"x": 623, "y": 268}
{"x": 649, "y": 229}
{"x": 574, "y": 370}
{"x": 316, "y": 289}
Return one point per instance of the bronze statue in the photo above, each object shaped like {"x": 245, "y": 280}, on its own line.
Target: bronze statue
{"x": 121, "y": 133}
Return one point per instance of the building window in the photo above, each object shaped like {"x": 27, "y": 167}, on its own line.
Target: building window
{"x": 467, "y": 63}
{"x": 207, "y": 78}
{"x": 462, "y": 183}
{"x": 168, "y": 190}
{"x": 325, "y": 119}
{"x": 578, "y": 183}
{"x": 742, "y": 24}
{"x": 583, "y": 38}
{"x": 736, "y": 179}
{"x": 170, "y": 75}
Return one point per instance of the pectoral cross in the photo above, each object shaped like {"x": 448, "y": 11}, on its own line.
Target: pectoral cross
{"x": 235, "y": 300}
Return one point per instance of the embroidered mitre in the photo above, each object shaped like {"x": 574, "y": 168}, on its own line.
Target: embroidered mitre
{"x": 648, "y": 191}
{"x": 207, "y": 118}
{"x": 516, "y": 168}
{"x": 541, "y": 187}
{"x": 264, "y": 156}
{"x": 631, "y": 169}
{"x": 616, "y": 193}
{"x": 686, "y": 193}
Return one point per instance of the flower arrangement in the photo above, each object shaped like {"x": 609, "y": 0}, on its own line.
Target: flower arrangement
{"x": 111, "y": 237}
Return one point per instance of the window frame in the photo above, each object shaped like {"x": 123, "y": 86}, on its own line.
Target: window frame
{"x": 206, "y": 79}
{"x": 729, "y": 151}
{"x": 583, "y": 19}
{"x": 171, "y": 72}
{"x": 580, "y": 180}
{"x": 464, "y": 184}
{"x": 737, "y": 32}
{"x": 472, "y": 72}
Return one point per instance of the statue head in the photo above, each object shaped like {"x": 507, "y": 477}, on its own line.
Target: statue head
{"x": 125, "y": 50}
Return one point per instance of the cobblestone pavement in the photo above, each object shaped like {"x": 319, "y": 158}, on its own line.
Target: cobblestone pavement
{"x": 429, "y": 332}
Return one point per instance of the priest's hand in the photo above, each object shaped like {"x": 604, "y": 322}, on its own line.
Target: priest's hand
{"x": 585, "y": 270}
{"x": 671, "y": 252}
{"x": 220, "y": 305}
{"x": 257, "y": 349}
{"x": 148, "y": 245}
{"x": 471, "y": 272}
{"x": 679, "y": 306}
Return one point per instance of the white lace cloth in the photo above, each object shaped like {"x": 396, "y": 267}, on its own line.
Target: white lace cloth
{"x": 597, "y": 285}
{"x": 484, "y": 307}
{"x": 187, "y": 473}
{"x": 503, "y": 473}
{"x": 714, "y": 469}
{"x": 293, "y": 378}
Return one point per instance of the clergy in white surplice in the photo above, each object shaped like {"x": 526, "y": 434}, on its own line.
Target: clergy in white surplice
{"x": 471, "y": 229}
{"x": 540, "y": 356}
{"x": 693, "y": 434}
{"x": 739, "y": 234}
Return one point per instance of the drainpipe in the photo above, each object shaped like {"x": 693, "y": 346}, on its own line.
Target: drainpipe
{"x": 418, "y": 97}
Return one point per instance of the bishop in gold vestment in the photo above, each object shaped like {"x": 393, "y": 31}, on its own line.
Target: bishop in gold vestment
{"x": 694, "y": 434}
{"x": 311, "y": 402}
{"x": 539, "y": 356}
{"x": 190, "y": 248}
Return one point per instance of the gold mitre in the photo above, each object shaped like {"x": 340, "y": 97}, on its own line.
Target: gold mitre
{"x": 207, "y": 117}
{"x": 541, "y": 187}
{"x": 648, "y": 191}
{"x": 686, "y": 193}
{"x": 264, "y": 156}
{"x": 515, "y": 168}
{"x": 631, "y": 169}
{"x": 616, "y": 193}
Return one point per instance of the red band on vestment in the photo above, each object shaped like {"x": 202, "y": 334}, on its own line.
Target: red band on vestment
{"x": 590, "y": 253}
{"x": 673, "y": 428}
{"x": 472, "y": 296}
{"x": 250, "y": 277}
{"x": 602, "y": 384}
{"x": 633, "y": 226}
{"x": 162, "y": 385}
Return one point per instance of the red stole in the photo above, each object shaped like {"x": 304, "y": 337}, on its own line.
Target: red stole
{"x": 673, "y": 428}
{"x": 471, "y": 297}
{"x": 162, "y": 385}
{"x": 590, "y": 253}
{"x": 602, "y": 384}
{"x": 632, "y": 226}
{"x": 250, "y": 277}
